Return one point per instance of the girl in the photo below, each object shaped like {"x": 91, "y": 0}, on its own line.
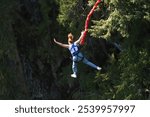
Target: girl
{"x": 76, "y": 54}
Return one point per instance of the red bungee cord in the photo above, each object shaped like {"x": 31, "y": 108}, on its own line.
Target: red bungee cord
{"x": 87, "y": 21}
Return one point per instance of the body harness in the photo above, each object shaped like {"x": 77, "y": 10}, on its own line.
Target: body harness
{"x": 75, "y": 50}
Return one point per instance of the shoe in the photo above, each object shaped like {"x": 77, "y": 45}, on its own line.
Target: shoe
{"x": 73, "y": 75}
{"x": 99, "y": 68}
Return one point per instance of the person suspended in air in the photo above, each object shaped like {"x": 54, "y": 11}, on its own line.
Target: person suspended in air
{"x": 76, "y": 54}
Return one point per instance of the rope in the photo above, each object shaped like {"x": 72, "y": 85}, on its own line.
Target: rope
{"x": 88, "y": 20}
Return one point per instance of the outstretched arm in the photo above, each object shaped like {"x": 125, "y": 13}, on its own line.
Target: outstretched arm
{"x": 61, "y": 44}
{"x": 80, "y": 38}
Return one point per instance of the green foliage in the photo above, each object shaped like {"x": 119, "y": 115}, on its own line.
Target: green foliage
{"x": 122, "y": 13}
{"x": 72, "y": 15}
{"x": 129, "y": 76}
{"x": 127, "y": 79}
{"x": 133, "y": 76}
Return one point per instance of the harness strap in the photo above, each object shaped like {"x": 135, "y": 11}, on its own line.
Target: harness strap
{"x": 75, "y": 53}
{"x": 74, "y": 50}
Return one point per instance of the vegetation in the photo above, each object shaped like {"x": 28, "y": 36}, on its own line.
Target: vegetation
{"x": 33, "y": 67}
